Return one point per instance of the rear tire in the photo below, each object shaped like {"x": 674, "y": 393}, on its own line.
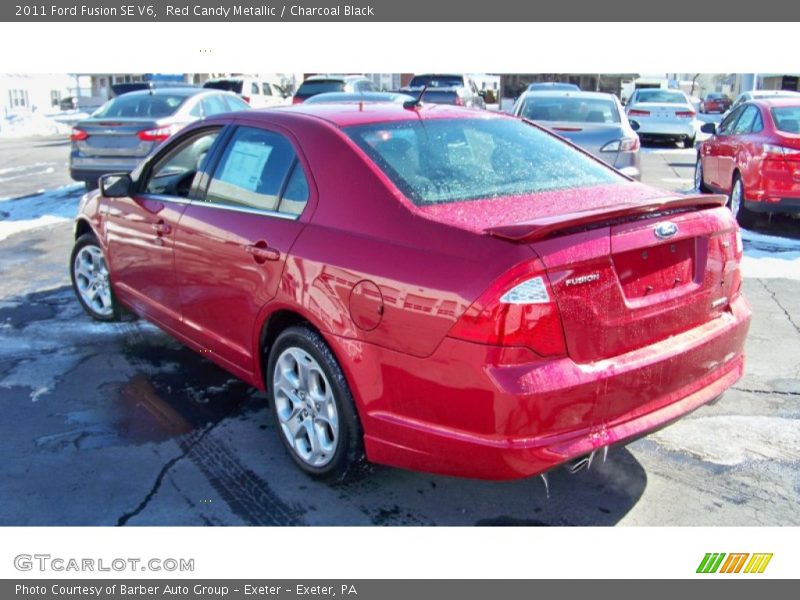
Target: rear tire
{"x": 736, "y": 202}
{"x": 90, "y": 185}
{"x": 314, "y": 411}
{"x": 688, "y": 142}
{"x": 88, "y": 271}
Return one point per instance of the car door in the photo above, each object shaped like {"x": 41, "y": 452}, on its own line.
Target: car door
{"x": 730, "y": 148}
{"x": 711, "y": 149}
{"x": 140, "y": 229}
{"x": 232, "y": 244}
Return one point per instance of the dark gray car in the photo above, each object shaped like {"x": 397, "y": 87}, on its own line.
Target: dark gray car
{"x": 592, "y": 120}
{"x": 443, "y": 88}
{"x": 126, "y": 129}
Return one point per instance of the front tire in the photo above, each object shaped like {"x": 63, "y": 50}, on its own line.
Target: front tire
{"x": 743, "y": 216}
{"x": 314, "y": 411}
{"x": 699, "y": 178}
{"x": 90, "y": 280}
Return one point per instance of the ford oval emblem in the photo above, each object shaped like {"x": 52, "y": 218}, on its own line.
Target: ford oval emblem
{"x": 665, "y": 230}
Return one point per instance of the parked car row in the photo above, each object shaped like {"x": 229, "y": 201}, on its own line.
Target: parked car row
{"x": 425, "y": 286}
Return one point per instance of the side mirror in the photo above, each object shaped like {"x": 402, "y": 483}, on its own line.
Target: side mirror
{"x": 116, "y": 185}
{"x": 482, "y": 94}
{"x": 709, "y": 128}
{"x": 635, "y": 125}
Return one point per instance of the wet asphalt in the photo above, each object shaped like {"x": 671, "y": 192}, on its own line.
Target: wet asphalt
{"x": 117, "y": 424}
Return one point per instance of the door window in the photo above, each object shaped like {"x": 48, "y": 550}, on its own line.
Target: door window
{"x": 174, "y": 173}
{"x": 745, "y": 122}
{"x": 213, "y": 105}
{"x": 266, "y": 89}
{"x": 254, "y": 173}
{"x": 728, "y": 122}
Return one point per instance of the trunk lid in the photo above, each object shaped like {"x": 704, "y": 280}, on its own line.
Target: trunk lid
{"x": 627, "y": 277}
{"x": 116, "y": 137}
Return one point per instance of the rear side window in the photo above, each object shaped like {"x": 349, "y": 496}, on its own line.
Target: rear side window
{"x": 437, "y": 161}
{"x": 571, "y": 109}
{"x": 151, "y": 106}
{"x": 266, "y": 89}
{"x": 235, "y": 103}
{"x": 787, "y": 118}
{"x": 320, "y": 86}
{"x": 254, "y": 171}
{"x": 213, "y": 105}
{"x": 254, "y": 89}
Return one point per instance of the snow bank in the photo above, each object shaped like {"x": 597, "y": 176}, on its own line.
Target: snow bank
{"x": 770, "y": 256}
{"x": 31, "y": 125}
{"x": 39, "y": 210}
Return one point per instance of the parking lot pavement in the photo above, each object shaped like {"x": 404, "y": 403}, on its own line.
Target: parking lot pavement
{"x": 116, "y": 424}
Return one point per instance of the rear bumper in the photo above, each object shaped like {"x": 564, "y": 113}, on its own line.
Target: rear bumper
{"x": 781, "y": 205}
{"x": 465, "y": 411}
{"x": 668, "y": 129}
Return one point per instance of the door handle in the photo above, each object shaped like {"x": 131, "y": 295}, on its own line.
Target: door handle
{"x": 262, "y": 252}
{"x": 161, "y": 228}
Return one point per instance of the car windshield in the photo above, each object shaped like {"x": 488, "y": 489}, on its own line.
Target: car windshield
{"x": 150, "y": 106}
{"x": 787, "y": 118}
{"x": 434, "y": 81}
{"x": 715, "y": 96}
{"x": 320, "y": 86}
{"x": 451, "y": 160}
{"x": 226, "y": 85}
{"x": 573, "y": 109}
{"x": 666, "y": 96}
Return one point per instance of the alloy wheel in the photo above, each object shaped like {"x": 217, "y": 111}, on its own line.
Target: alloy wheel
{"x": 305, "y": 406}
{"x": 91, "y": 280}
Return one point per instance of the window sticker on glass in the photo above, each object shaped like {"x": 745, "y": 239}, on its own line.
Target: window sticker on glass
{"x": 245, "y": 164}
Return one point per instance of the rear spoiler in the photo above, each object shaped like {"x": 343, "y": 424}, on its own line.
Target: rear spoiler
{"x": 544, "y": 227}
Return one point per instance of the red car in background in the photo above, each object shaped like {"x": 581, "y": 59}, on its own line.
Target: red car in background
{"x": 430, "y": 287}
{"x": 715, "y": 102}
{"x": 754, "y": 158}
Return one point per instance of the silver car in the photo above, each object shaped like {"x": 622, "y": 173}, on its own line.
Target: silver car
{"x": 126, "y": 129}
{"x": 592, "y": 120}
{"x": 663, "y": 114}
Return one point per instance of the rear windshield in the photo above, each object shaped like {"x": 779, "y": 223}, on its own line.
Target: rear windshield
{"x": 150, "y": 106}
{"x": 320, "y": 86}
{"x": 437, "y": 81}
{"x": 450, "y": 160}
{"x": 787, "y": 118}
{"x": 660, "y": 96}
{"x": 226, "y": 85}
{"x": 571, "y": 109}
{"x": 716, "y": 96}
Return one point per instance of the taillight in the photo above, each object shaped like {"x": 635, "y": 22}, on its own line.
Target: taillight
{"x": 159, "y": 134}
{"x": 638, "y": 113}
{"x": 517, "y": 310}
{"x": 297, "y": 100}
{"x": 246, "y": 99}
{"x": 780, "y": 152}
{"x": 78, "y": 135}
{"x": 685, "y": 114}
{"x": 459, "y": 101}
{"x": 623, "y": 145}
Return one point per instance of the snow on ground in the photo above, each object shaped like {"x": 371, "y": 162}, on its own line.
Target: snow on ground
{"x": 770, "y": 256}
{"x": 39, "y": 210}
{"x": 32, "y": 125}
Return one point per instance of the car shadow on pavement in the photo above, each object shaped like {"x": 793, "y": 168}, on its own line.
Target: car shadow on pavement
{"x": 81, "y": 394}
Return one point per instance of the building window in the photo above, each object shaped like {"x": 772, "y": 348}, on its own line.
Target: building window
{"x": 55, "y": 97}
{"x": 18, "y": 98}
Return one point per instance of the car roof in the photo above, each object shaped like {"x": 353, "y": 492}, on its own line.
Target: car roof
{"x": 333, "y": 78}
{"x": 347, "y": 114}
{"x": 778, "y": 101}
{"x": 359, "y": 97}
{"x": 567, "y": 94}
{"x": 171, "y": 91}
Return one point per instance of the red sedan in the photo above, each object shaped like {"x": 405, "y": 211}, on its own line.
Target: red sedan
{"x": 715, "y": 102}
{"x": 754, "y": 158}
{"x": 430, "y": 287}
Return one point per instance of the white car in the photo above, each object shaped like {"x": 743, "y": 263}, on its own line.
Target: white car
{"x": 257, "y": 92}
{"x": 663, "y": 114}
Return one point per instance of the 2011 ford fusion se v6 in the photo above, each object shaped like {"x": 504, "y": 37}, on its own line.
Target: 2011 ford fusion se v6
{"x": 428, "y": 287}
